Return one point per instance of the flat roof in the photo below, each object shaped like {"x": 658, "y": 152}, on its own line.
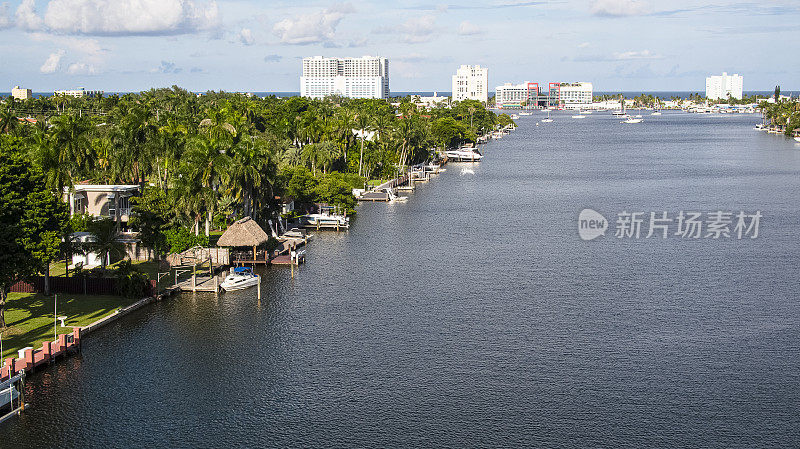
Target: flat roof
{"x": 105, "y": 187}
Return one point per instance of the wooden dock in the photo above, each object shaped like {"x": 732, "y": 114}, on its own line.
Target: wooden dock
{"x": 204, "y": 283}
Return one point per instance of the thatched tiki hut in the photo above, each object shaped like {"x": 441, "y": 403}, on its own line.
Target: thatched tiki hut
{"x": 244, "y": 233}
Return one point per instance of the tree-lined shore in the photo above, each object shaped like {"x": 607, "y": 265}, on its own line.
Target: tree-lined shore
{"x": 203, "y": 160}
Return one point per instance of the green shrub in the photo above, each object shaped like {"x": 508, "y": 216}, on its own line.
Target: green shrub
{"x": 130, "y": 282}
{"x": 180, "y": 239}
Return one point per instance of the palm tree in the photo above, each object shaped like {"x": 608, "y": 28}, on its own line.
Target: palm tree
{"x": 404, "y": 132}
{"x": 244, "y": 176}
{"x": 327, "y": 153}
{"x": 363, "y": 123}
{"x": 8, "y": 121}
{"x": 207, "y": 163}
{"x": 45, "y": 155}
{"x": 71, "y": 141}
{"x": 132, "y": 139}
{"x": 309, "y": 155}
{"x": 106, "y": 242}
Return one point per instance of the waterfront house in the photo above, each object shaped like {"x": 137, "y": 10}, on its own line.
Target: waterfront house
{"x": 101, "y": 200}
{"x": 109, "y": 201}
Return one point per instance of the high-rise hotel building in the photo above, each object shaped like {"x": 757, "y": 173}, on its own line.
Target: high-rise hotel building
{"x": 365, "y": 77}
{"x": 719, "y": 87}
{"x": 471, "y": 83}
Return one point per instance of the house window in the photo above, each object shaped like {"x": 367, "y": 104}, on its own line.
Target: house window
{"x": 112, "y": 207}
{"x": 124, "y": 206}
{"x": 79, "y": 204}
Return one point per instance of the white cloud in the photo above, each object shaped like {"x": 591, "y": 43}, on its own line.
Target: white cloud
{"x": 26, "y": 16}
{"x": 5, "y": 21}
{"x": 246, "y": 36}
{"x": 468, "y": 28}
{"x": 415, "y": 30}
{"x": 128, "y": 17}
{"x": 81, "y": 68}
{"x": 584, "y": 45}
{"x": 88, "y": 46}
{"x": 619, "y": 8}
{"x": 53, "y": 62}
{"x": 644, "y": 54}
{"x": 167, "y": 67}
{"x": 311, "y": 28}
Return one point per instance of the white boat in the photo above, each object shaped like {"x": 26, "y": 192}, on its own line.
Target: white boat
{"x": 578, "y": 116}
{"x": 9, "y": 392}
{"x": 514, "y": 117}
{"x": 797, "y": 138}
{"x": 585, "y": 112}
{"x": 656, "y": 112}
{"x": 239, "y": 279}
{"x": 638, "y": 116}
{"x": 524, "y": 113}
{"x": 619, "y": 113}
{"x": 632, "y": 120}
{"x": 548, "y": 119}
{"x": 760, "y": 127}
{"x": 464, "y": 154}
{"x": 325, "y": 220}
{"x": 295, "y": 233}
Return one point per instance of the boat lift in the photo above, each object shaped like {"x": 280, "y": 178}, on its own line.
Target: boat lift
{"x": 12, "y": 396}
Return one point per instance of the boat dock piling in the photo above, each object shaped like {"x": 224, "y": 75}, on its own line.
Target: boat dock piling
{"x": 33, "y": 358}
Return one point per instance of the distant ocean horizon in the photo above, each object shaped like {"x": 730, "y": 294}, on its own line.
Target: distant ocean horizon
{"x": 626, "y": 94}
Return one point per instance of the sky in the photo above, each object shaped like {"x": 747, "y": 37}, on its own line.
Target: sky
{"x": 257, "y": 46}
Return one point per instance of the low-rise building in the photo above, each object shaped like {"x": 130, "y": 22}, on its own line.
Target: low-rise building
{"x": 78, "y": 93}
{"x": 19, "y": 93}
{"x": 525, "y": 95}
{"x": 108, "y": 201}
{"x": 570, "y": 95}
{"x": 431, "y": 102}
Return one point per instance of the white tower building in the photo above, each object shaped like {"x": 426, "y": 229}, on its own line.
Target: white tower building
{"x": 471, "y": 82}
{"x": 719, "y": 87}
{"x": 365, "y": 77}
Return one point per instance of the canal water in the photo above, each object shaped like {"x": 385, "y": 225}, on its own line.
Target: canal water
{"x": 475, "y": 315}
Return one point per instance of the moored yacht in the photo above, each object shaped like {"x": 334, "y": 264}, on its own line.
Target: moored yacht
{"x": 632, "y": 120}
{"x": 464, "y": 154}
{"x": 325, "y": 220}
{"x": 239, "y": 279}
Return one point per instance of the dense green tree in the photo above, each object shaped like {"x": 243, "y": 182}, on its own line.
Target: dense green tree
{"x": 32, "y": 220}
{"x": 152, "y": 217}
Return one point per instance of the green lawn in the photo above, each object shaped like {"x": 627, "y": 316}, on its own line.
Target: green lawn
{"x": 150, "y": 268}
{"x": 29, "y": 316}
